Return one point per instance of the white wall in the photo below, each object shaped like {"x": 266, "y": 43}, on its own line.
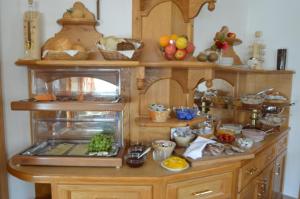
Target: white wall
{"x": 115, "y": 19}
{"x": 208, "y": 23}
{"x": 14, "y": 83}
{"x": 279, "y": 21}
{"x": 274, "y": 17}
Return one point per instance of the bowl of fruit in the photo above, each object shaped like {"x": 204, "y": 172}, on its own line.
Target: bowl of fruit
{"x": 176, "y": 47}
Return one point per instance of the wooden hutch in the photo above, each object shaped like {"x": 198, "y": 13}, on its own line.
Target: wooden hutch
{"x": 256, "y": 173}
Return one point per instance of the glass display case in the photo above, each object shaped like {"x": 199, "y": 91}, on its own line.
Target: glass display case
{"x": 75, "y": 115}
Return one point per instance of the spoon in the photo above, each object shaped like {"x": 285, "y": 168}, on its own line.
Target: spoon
{"x": 264, "y": 91}
{"x": 144, "y": 153}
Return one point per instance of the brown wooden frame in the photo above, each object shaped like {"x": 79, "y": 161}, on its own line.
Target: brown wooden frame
{"x": 3, "y": 171}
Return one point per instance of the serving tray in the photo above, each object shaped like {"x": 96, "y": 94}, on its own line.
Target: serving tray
{"x": 68, "y": 153}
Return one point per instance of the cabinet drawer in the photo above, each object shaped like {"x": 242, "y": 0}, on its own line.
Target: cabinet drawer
{"x": 281, "y": 145}
{"x": 248, "y": 172}
{"x": 255, "y": 166}
{"x": 211, "y": 187}
{"x": 249, "y": 192}
{"x": 102, "y": 192}
{"x": 266, "y": 157}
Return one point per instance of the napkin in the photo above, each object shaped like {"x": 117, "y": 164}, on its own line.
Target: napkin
{"x": 196, "y": 148}
{"x": 72, "y": 53}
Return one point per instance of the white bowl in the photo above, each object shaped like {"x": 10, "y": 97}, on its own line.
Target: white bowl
{"x": 184, "y": 140}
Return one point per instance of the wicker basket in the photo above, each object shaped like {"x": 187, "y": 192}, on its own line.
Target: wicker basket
{"x": 115, "y": 55}
{"x": 59, "y": 55}
{"x": 159, "y": 116}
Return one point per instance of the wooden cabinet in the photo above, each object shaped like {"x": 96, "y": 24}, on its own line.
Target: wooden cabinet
{"x": 253, "y": 167}
{"x": 3, "y": 172}
{"x": 264, "y": 183}
{"x": 260, "y": 187}
{"x": 217, "y": 186}
{"x": 262, "y": 177}
{"x": 279, "y": 166}
{"x": 101, "y": 192}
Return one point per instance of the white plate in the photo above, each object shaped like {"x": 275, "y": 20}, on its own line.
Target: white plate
{"x": 174, "y": 170}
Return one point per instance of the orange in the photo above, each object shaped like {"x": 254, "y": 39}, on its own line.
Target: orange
{"x": 174, "y": 37}
{"x": 164, "y": 41}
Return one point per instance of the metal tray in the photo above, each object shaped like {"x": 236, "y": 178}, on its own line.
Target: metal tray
{"x": 67, "y": 148}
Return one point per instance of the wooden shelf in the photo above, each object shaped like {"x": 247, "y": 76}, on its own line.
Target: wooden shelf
{"x": 27, "y": 105}
{"x": 153, "y": 57}
{"x": 172, "y": 122}
{"x": 243, "y": 69}
{"x": 46, "y": 64}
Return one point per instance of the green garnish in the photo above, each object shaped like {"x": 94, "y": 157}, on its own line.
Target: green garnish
{"x": 100, "y": 143}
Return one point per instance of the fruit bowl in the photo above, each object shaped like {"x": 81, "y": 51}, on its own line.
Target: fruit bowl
{"x": 175, "y": 47}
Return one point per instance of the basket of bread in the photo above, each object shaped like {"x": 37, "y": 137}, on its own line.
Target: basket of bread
{"x": 62, "y": 48}
{"x": 113, "y": 48}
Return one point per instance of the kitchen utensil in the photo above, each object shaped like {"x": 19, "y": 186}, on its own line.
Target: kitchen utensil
{"x": 144, "y": 153}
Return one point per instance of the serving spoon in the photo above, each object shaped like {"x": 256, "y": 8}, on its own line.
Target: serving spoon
{"x": 144, "y": 153}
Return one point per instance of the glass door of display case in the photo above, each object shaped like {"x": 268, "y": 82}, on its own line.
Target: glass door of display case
{"x": 75, "y": 114}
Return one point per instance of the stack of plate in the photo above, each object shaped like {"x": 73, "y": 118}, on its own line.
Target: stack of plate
{"x": 254, "y": 134}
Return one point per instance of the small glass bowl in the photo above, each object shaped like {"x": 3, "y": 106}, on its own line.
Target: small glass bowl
{"x": 133, "y": 161}
{"x": 137, "y": 148}
{"x": 186, "y": 113}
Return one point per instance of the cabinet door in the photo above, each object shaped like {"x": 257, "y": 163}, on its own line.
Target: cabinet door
{"x": 211, "y": 187}
{"x": 260, "y": 187}
{"x": 101, "y": 192}
{"x": 264, "y": 183}
{"x": 279, "y": 172}
{"x": 249, "y": 192}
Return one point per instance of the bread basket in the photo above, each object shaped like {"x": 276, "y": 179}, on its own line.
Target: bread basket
{"x": 116, "y": 55}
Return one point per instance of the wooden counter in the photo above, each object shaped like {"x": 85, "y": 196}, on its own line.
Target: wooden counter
{"x": 151, "y": 174}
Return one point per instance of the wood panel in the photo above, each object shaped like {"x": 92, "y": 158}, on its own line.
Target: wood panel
{"x": 101, "y": 192}
{"x": 217, "y": 186}
{"x": 29, "y": 105}
{"x": 3, "y": 172}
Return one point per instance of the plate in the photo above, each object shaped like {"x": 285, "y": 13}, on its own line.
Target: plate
{"x": 173, "y": 169}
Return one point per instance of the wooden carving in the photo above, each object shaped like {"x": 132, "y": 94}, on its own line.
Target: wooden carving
{"x": 78, "y": 31}
{"x": 189, "y": 8}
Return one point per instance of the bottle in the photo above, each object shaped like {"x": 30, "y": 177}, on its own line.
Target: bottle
{"x": 32, "y": 44}
{"x": 257, "y": 52}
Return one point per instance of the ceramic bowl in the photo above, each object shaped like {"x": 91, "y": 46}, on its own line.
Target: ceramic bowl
{"x": 186, "y": 113}
{"x": 183, "y": 140}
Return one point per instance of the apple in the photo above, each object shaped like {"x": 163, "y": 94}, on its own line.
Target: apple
{"x": 170, "y": 49}
{"x": 231, "y": 35}
{"x": 180, "y": 54}
{"x": 190, "y": 48}
{"x": 168, "y": 56}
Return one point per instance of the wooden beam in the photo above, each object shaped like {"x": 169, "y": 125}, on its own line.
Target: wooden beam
{"x": 3, "y": 171}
